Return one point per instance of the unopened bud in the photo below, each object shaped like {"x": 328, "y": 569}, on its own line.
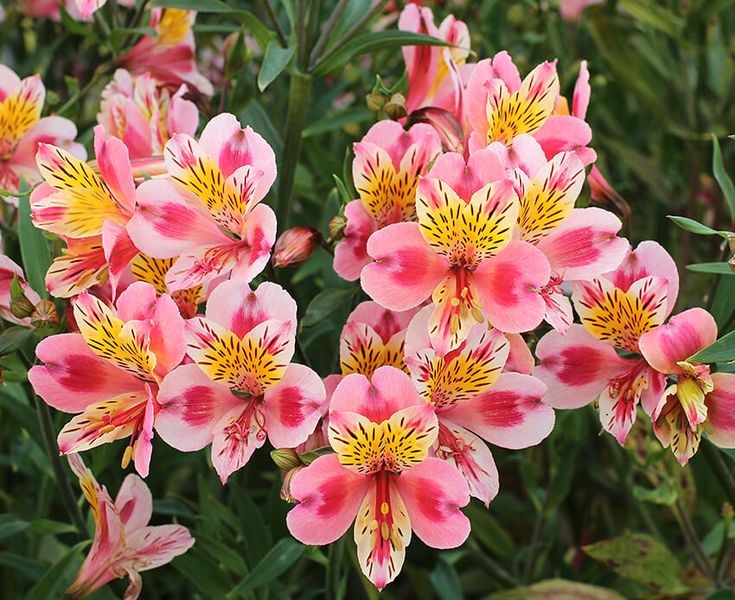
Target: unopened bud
{"x": 286, "y": 458}
{"x": 45, "y": 315}
{"x": 286, "y": 485}
{"x": 295, "y": 246}
{"x": 20, "y": 305}
{"x": 337, "y": 227}
{"x": 395, "y": 108}
{"x": 727, "y": 511}
{"x": 375, "y": 101}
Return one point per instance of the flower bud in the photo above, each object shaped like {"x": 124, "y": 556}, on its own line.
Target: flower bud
{"x": 603, "y": 193}
{"x": 337, "y": 227}
{"x": 45, "y": 315}
{"x": 286, "y": 458}
{"x": 444, "y": 122}
{"x": 295, "y": 246}
{"x": 395, "y": 108}
{"x": 286, "y": 485}
{"x": 20, "y": 305}
{"x": 375, "y": 102}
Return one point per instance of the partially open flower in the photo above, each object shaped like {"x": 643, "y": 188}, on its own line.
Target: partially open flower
{"x": 295, "y": 246}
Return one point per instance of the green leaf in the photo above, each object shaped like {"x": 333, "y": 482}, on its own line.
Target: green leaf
{"x": 342, "y": 189}
{"x": 445, "y": 581}
{"x": 198, "y": 568}
{"x": 693, "y": 226}
{"x": 654, "y": 15}
{"x": 664, "y": 494}
{"x": 48, "y": 586}
{"x": 349, "y": 116}
{"x": 558, "y": 589}
{"x": 13, "y": 338}
{"x": 719, "y": 268}
{"x": 212, "y": 6}
{"x": 34, "y": 249}
{"x": 325, "y": 303}
{"x": 260, "y": 32}
{"x": 487, "y": 529}
{"x": 723, "y": 350}
{"x": 227, "y": 556}
{"x": 275, "y": 60}
{"x": 723, "y": 179}
{"x": 372, "y": 42}
{"x": 10, "y": 525}
{"x": 275, "y": 563}
{"x": 641, "y": 558}
{"x": 29, "y": 567}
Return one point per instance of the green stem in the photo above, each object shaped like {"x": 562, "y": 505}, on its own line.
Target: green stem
{"x": 724, "y": 474}
{"x": 327, "y": 31}
{"x": 298, "y": 105}
{"x": 334, "y": 569}
{"x": 274, "y": 21}
{"x": 687, "y": 528}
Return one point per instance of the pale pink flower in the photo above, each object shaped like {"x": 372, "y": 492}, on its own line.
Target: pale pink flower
{"x": 207, "y": 213}
{"x": 110, "y": 371}
{"x": 388, "y": 164}
{"x": 144, "y": 116}
{"x": 22, "y": 129}
{"x": 242, "y": 387}
{"x": 124, "y": 544}
{"x": 380, "y": 477}
{"x": 616, "y": 309}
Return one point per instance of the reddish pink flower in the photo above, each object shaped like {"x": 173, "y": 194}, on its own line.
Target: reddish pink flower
{"x": 143, "y": 115}
{"x": 461, "y": 254}
{"x": 432, "y": 70}
{"x": 242, "y": 387}
{"x": 207, "y": 213}
{"x": 110, "y": 371}
{"x": 380, "y": 477}
{"x": 699, "y": 401}
{"x": 169, "y": 55}
{"x": 22, "y": 129}
{"x": 388, "y": 164}
{"x": 616, "y": 309}
{"x": 499, "y": 106}
{"x": 124, "y": 544}
{"x": 475, "y": 401}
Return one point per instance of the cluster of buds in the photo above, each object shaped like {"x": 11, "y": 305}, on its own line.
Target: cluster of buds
{"x": 386, "y": 101}
{"x": 43, "y": 314}
{"x": 290, "y": 461}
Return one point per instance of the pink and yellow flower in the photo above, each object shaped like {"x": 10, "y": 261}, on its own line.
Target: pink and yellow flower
{"x": 111, "y": 370}
{"x": 461, "y": 253}
{"x": 124, "y": 544}
{"x": 616, "y": 310}
{"x": 699, "y": 401}
{"x": 476, "y": 401}
{"x": 22, "y": 129}
{"x": 143, "y": 115}
{"x": 388, "y": 164}
{"x": 381, "y": 477}
{"x": 206, "y": 213}
{"x": 242, "y": 386}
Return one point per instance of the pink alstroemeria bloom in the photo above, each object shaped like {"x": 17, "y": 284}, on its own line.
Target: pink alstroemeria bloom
{"x": 616, "y": 309}
{"x": 124, "y": 544}
{"x": 698, "y": 401}
{"x": 380, "y": 477}
{"x": 579, "y": 243}
{"x": 242, "y": 387}
{"x": 207, "y": 213}
{"x": 22, "y": 129}
{"x": 475, "y": 401}
{"x": 571, "y": 10}
{"x": 110, "y": 371}
{"x": 433, "y": 69}
{"x": 461, "y": 254}
{"x": 143, "y": 115}
{"x": 86, "y": 207}
{"x": 169, "y": 55}
{"x": 8, "y": 271}
{"x": 388, "y": 164}
{"x": 499, "y": 106}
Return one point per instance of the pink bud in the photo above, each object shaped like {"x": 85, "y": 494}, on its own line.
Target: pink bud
{"x": 295, "y": 246}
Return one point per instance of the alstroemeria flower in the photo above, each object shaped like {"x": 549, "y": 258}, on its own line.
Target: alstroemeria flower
{"x": 85, "y": 206}
{"x": 207, "y": 213}
{"x": 431, "y": 68}
{"x": 242, "y": 387}
{"x": 499, "y": 106}
{"x": 124, "y": 544}
{"x": 8, "y": 271}
{"x": 373, "y": 337}
{"x": 579, "y": 243}
{"x": 380, "y": 477}
{"x": 110, "y": 371}
{"x": 475, "y": 401}
{"x": 388, "y": 164}
{"x": 699, "y": 401}
{"x": 22, "y": 128}
{"x": 571, "y": 10}
{"x": 169, "y": 55}
{"x": 616, "y": 309}
{"x": 143, "y": 115}
{"x": 461, "y": 254}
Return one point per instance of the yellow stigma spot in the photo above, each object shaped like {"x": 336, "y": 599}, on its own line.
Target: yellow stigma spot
{"x": 455, "y": 301}
{"x": 384, "y": 508}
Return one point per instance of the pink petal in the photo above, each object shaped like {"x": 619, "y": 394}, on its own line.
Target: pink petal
{"x": 350, "y": 255}
{"x": 113, "y": 162}
{"x": 582, "y": 92}
{"x": 721, "y": 410}
{"x": 137, "y": 302}
{"x": 417, "y": 333}
{"x": 508, "y": 284}
{"x": 560, "y": 133}
{"x": 405, "y": 271}
{"x": 433, "y": 493}
{"x": 167, "y": 338}
{"x": 505, "y": 69}
{"x": 684, "y": 335}
{"x": 421, "y": 61}
{"x": 151, "y": 547}
{"x": 259, "y": 235}
{"x": 558, "y": 309}
{"x": 119, "y": 251}
{"x": 329, "y": 497}
{"x": 144, "y": 448}
{"x": 236, "y": 437}
{"x": 386, "y": 323}
{"x": 520, "y": 359}
{"x": 476, "y": 96}
{"x": 134, "y": 503}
